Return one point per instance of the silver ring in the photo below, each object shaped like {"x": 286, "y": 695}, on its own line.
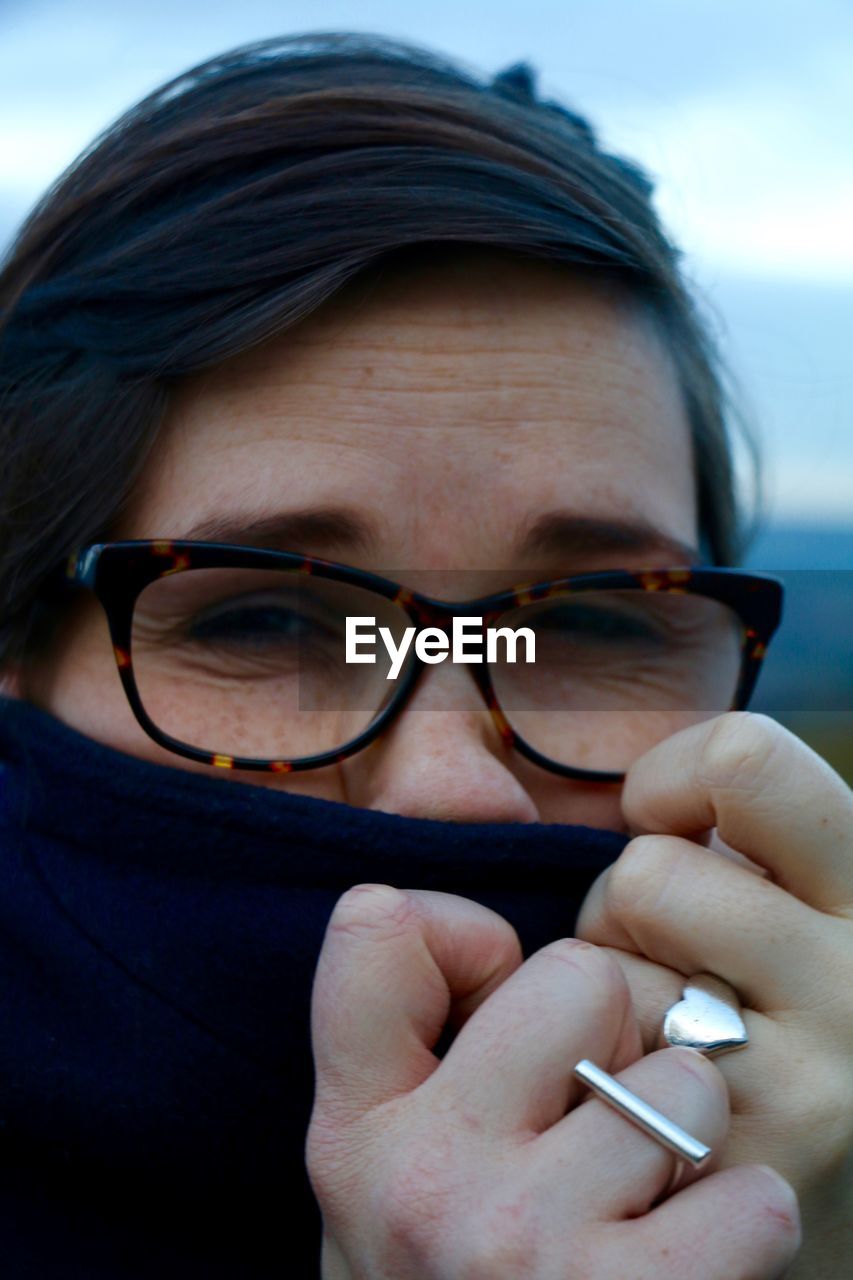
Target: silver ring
{"x": 640, "y": 1113}
{"x": 706, "y": 1018}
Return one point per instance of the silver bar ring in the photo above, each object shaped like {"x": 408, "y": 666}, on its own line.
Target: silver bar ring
{"x": 640, "y": 1113}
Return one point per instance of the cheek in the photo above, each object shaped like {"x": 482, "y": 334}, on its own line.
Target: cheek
{"x": 77, "y": 681}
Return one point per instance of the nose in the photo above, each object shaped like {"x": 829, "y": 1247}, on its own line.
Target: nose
{"x": 442, "y": 758}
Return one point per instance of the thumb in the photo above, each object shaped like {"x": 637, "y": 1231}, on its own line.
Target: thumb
{"x": 393, "y": 965}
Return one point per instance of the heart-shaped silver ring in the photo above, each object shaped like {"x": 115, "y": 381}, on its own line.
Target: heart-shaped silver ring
{"x": 707, "y": 1017}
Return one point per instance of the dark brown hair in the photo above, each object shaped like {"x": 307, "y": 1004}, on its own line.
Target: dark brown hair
{"x": 238, "y": 198}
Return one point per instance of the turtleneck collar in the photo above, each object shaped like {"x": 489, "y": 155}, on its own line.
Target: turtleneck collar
{"x": 159, "y": 930}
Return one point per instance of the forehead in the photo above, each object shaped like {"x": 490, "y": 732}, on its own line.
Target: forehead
{"x": 449, "y": 398}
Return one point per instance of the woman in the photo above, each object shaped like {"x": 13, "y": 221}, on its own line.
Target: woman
{"x": 330, "y": 331}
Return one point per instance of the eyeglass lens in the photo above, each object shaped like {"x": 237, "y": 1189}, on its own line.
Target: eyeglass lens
{"x": 251, "y": 662}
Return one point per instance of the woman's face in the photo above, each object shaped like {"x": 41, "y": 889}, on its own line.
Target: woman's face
{"x": 459, "y": 428}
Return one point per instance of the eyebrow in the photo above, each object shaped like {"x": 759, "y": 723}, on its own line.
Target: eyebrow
{"x": 554, "y": 533}
{"x": 559, "y": 533}
{"x": 298, "y": 530}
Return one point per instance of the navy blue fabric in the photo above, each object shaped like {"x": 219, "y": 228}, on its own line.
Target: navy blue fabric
{"x": 159, "y": 930}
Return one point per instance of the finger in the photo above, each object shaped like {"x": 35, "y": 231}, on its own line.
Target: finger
{"x": 654, "y": 988}
{"x": 391, "y": 965}
{"x": 510, "y": 1067}
{"x": 738, "y": 1224}
{"x": 624, "y": 1170}
{"x": 719, "y": 846}
{"x": 768, "y": 794}
{"x": 757, "y": 1107}
{"x": 691, "y": 910}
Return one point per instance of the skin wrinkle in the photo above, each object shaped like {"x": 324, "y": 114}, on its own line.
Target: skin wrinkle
{"x": 737, "y": 758}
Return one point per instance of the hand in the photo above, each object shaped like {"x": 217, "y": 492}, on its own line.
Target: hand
{"x": 486, "y": 1164}
{"x": 784, "y": 940}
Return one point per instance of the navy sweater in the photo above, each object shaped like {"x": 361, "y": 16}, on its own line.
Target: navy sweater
{"x": 159, "y": 930}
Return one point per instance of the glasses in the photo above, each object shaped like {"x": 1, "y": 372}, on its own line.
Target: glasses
{"x": 236, "y": 656}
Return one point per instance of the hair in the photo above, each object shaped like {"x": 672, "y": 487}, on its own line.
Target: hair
{"x": 238, "y": 198}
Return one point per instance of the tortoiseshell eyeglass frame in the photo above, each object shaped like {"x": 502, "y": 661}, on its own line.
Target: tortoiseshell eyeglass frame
{"x": 118, "y": 571}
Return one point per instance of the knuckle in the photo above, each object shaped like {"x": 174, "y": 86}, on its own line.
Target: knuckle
{"x": 738, "y": 747}
{"x": 369, "y": 910}
{"x": 322, "y": 1155}
{"x": 596, "y": 967}
{"x": 417, "y": 1205}
{"x": 596, "y": 964}
{"x": 328, "y": 1161}
{"x": 638, "y": 877}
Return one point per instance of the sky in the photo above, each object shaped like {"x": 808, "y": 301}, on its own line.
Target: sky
{"x": 742, "y": 110}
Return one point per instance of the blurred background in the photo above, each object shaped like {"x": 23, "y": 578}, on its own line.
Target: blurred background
{"x": 742, "y": 110}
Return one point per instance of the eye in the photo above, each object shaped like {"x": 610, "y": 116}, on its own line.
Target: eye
{"x": 601, "y": 622}
{"x": 249, "y": 622}
{"x": 260, "y": 624}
